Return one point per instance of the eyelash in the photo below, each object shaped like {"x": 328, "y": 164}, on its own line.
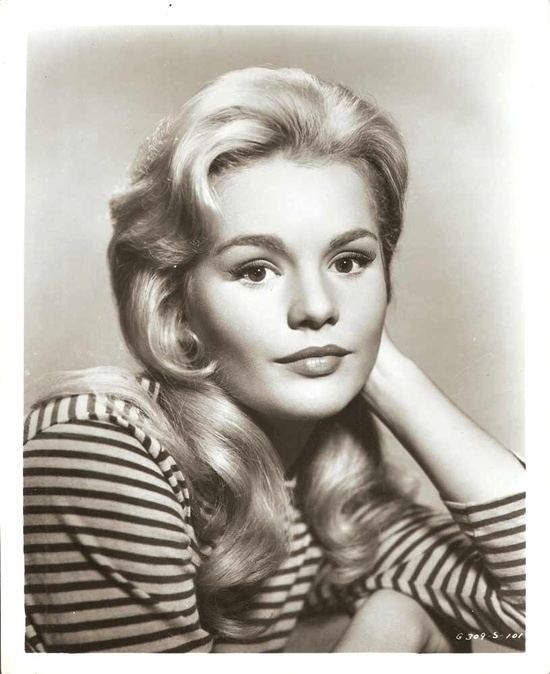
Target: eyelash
{"x": 363, "y": 259}
{"x": 240, "y": 272}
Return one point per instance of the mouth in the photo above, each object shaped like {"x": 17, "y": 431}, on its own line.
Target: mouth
{"x": 315, "y": 361}
{"x": 314, "y": 352}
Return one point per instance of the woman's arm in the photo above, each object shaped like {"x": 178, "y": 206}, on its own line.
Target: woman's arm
{"x": 464, "y": 463}
{"x": 472, "y": 573}
{"x": 384, "y": 622}
{"x": 109, "y": 557}
{"x": 391, "y": 622}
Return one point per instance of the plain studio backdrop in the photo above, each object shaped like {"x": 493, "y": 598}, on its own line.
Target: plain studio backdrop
{"x": 95, "y": 93}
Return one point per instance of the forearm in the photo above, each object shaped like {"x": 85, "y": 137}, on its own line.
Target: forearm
{"x": 463, "y": 461}
{"x": 391, "y": 622}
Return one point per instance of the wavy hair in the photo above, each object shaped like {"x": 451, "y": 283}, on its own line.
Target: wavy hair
{"x": 163, "y": 222}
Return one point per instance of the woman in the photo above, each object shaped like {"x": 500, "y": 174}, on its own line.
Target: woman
{"x": 237, "y": 486}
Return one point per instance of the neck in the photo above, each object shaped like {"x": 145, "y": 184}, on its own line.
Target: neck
{"x": 288, "y": 437}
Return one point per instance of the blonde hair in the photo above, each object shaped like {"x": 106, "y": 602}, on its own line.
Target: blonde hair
{"x": 163, "y": 222}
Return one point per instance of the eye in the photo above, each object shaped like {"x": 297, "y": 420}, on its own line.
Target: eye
{"x": 254, "y": 273}
{"x": 352, "y": 263}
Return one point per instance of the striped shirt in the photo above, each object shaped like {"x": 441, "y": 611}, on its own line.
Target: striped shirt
{"x": 111, "y": 554}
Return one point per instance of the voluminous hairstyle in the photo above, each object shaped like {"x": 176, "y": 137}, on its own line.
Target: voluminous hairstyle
{"x": 163, "y": 222}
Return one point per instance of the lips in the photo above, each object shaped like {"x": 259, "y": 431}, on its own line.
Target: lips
{"x": 314, "y": 352}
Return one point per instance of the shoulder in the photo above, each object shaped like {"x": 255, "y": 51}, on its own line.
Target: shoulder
{"x": 92, "y": 438}
{"x": 88, "y": 407}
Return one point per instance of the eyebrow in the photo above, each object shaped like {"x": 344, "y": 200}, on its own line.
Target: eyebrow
{"x": 276, "y": 245}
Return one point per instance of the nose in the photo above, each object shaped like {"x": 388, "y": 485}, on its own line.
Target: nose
{"x": 313, "y": 304}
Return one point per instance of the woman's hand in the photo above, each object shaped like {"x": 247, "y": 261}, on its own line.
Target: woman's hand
{"x": 391, "y": 622}
{"x": 390, "y": 364}
{"x": 463, "y": 462}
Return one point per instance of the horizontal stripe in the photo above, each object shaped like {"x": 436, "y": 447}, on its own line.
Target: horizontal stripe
{"x": 74, "y": 473}
{"x": 105, "y": 552}
{"x": 150, "y": 578}
{"x": 99, "y": 495}
{"x": 185, "y": 648}
{"x": 68, "y": 586}
{"x": 115, "y": 602}
{"x": 73, "y": 455}
{"x": 504, "y": 518}
{"x": 103, "y": 440}
{"x": 299, "y": 551}
{"x": 101, "y": 514}
{"x": 490, "y": 505}
{"x": 301, "y": 566}
{"x": 31, "y": 569}
{"x": 105, "y": 644}
{"x": 483, "y": 538}
{"x": 159, "y": 616}
{"x": 503, "y": 548}
{"x": 287, "y": 586}
{"x": 286, "y": 615}
{"x": 107, "y": 533}
{"x": 102, "y": 425}
{"x": 520, "y": 563}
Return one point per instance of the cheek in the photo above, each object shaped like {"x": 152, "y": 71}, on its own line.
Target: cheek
{"x": 365, "y": 310}
{"x": 228, "y": 329}
{"x": 364, "y": 322}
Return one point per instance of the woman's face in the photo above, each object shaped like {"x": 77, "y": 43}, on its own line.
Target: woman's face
{"x": 291, "y": 298}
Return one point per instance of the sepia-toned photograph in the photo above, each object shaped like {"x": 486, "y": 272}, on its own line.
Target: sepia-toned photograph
{"x": 274, "y": 344}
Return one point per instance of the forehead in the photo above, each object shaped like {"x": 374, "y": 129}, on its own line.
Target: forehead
{"x": 294, "y": 201}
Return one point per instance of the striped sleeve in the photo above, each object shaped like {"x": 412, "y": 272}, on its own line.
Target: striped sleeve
{"x": 469, "y": 568}
{"x": 110, "y": 555}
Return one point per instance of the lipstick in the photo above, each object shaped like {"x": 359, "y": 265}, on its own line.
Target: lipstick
{"x": 315, "y": 361}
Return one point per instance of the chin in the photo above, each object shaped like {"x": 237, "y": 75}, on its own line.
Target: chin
{"x": 313, "y": 407}
{"x": 301, "y": 399}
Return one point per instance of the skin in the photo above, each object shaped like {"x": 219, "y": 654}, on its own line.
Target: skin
{"x": 323, "y": 283}
{"x": 442, "y": 437}
{"x": 391, "y": 622}
{"x": 386, "y": 622}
